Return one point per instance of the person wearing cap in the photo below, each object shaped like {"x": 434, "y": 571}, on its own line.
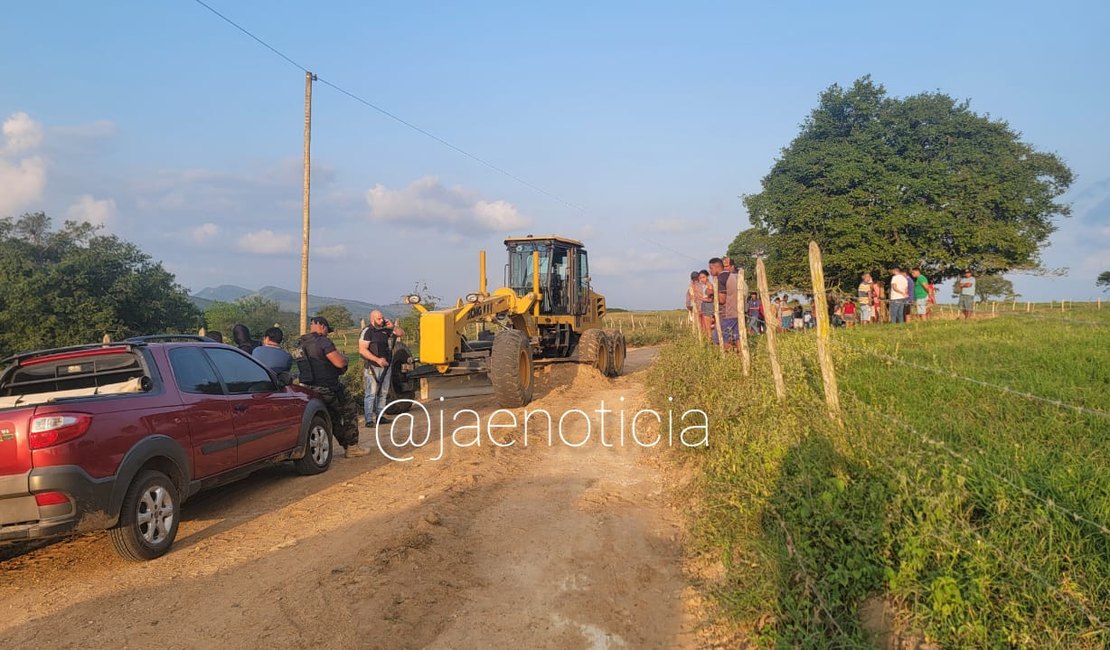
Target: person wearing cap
{"x": 966, "y": 287}
{"x": 320, "y": 366}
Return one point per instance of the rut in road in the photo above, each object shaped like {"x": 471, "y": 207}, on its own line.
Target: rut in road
{"x": 559, "y": 547}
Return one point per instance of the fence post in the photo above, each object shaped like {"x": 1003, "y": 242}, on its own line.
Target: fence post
{"x": 1028, "y": 306}
{"x": 772, "y": 350}
{"x": 741, "y": 317}
{"x": 821, "y": 309}
{"x": 994, "y": 306}
{"x": 1013, "y": 307}
{"x": 717, "y": 312}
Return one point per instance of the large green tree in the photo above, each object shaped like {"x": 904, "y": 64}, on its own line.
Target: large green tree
{"x": 73, "y": 285}
{"x": 338, "y": 316}
{"x": 880, "y": 181}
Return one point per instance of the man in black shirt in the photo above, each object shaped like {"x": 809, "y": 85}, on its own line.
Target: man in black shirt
{"x": 320, "y": 365}
{"x": 374, "y": 346}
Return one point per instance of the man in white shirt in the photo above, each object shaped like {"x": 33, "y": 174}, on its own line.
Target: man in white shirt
{"x": 899, "y": 293}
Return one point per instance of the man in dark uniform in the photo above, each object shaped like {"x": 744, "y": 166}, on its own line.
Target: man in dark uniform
{"x": 320, "y": 365}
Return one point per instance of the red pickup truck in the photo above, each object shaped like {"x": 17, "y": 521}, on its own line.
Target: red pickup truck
{"x": 117, "y": 436}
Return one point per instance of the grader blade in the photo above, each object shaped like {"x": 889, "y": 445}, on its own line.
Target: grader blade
{"x": 462, "y": 385}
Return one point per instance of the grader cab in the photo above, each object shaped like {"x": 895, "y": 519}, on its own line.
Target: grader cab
{"x": 489, "y": 342}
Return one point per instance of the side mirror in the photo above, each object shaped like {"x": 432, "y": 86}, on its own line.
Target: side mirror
{"x": 145, "y": 384}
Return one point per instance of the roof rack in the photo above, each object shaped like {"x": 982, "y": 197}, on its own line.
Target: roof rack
{"x": 169, "y": 338}
{"x": 72, "y": 348}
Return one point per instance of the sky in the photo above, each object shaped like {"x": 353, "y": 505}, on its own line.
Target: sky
{"x": 633, "y": 126}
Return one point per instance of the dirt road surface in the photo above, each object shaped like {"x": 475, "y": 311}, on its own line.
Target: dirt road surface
{"x": 541, "y": 546}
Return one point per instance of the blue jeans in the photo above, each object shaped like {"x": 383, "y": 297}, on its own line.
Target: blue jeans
{"x": 374, "y": 403}
{"x": 898, "y": 311}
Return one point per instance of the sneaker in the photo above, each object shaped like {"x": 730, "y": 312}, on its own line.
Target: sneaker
{"x": 355, "y": 451}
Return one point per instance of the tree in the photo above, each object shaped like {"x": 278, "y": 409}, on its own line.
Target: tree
{"x": 1103, "y": 280}
{"x": 73, "y": 285}
{"x": 254, "y": 311}
{"x": 921, "y": 181}
{"x": 994, "y": 286}
{"x": 338, "y": 316}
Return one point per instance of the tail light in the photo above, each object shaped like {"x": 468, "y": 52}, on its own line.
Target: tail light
{"x": 51, "y": 498}
{"x": 50, "y": 430}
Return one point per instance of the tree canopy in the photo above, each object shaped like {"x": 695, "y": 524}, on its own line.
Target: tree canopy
{"x": 338, "y": 316}
{"x": 924, "y": 181}
{"x": 256, "y": 312}
{"x": 1103, "y": 280}
{"x": 72, "y": 285}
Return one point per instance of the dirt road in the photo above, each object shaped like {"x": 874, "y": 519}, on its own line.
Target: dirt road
{"x": 547, "y": 547}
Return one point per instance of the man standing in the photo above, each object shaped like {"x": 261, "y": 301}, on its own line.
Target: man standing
{"x": 730, "y": 304}
{"x": 966, "y": 287}
{"x": 899, "y": 293}
{"x": 920, "y": 293}
{"x": 270, "y": 353}
{"x": 374, "y": 347}
{"x": 320, "y": 365}
{"x": 693, "y": 306}
{"x": 865, "y": 294}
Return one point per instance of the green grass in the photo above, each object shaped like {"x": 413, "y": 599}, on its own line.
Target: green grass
{"x": 648, "y": 327}
{"x": 980, "y": 514}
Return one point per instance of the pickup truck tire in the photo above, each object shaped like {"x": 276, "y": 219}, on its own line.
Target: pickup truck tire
{"x": 148, "y": 518}
{"x": 318, "y": 450}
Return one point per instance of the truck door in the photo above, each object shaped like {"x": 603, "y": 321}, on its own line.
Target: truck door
{"x": 207, "y": 411}
{"x": 267, "y": 418}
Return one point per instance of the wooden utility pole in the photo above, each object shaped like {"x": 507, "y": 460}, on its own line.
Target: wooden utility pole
{"x": 741, "y": 307}
{"x": 772, "y": 349}
{"x": 308, "y": 79}
{"x": 821, "y": 313}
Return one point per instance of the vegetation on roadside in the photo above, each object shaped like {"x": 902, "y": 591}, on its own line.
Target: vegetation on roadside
{"x": 979, "y": 514}
{"x": 73, "y": 284}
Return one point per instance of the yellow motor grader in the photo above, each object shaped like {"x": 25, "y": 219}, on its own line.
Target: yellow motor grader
{"x": 546, "y": 311}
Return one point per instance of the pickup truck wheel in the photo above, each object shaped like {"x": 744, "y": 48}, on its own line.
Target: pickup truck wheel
{"x": 148, "y": 519}
{"x": 317, "y": 449}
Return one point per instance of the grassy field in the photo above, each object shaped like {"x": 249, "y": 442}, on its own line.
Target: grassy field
{"x": 969, "y": 488}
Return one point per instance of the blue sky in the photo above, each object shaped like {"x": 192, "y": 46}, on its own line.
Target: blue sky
{"x": 183, "y": 135}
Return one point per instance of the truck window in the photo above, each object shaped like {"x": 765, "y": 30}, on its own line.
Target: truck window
{"x": 240, "y": 373}
{"x": 72, "y": 371}
{"x": 193, "y": 372}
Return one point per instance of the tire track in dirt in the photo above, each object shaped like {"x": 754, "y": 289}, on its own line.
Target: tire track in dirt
{"x": 559, "y": 547}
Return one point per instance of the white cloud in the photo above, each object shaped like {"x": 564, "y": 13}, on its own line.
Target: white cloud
{"x": 98, "y": 212}
{"x": 427, "y": 202}
{"x": 331, "y": 252}
{"x": 266, "y": 242}
{"x": 22, "y": 179}
{"x": 204, "y": 232}
{"x": 21, "y": 134}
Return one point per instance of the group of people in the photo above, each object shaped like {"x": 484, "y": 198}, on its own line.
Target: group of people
{"x": 320, "y": 365}
{"x": 712, "y": 295}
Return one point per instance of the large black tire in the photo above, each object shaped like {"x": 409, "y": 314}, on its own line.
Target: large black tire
{"x": 401, "y": 356}
{"x": 617, "y": 352}
{"x": 148, "y": 518}
{"x": 510, "y": 369}
{"x": 593, "y": 349}
{"x": 318, "y": 450}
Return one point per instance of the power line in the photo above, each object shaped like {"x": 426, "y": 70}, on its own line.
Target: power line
{"x": 393, "y": 116}
{"x": 400, "y": 120}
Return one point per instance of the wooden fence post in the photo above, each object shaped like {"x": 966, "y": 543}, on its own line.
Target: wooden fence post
{"x": 741, "y": 304}
{"x": 1013, "y": 307}
{"x": 1028, "y": 306}
{"x": 717, "y": 312}
{"x": 821, "y": 313}
{"x": 772, "y": 350}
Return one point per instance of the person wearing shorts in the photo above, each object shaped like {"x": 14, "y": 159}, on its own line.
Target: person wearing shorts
{"x": 920, "y": 293}
{"x": 966, "y": 285}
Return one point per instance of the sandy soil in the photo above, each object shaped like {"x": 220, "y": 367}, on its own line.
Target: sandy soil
{"x": 546, "y": 547}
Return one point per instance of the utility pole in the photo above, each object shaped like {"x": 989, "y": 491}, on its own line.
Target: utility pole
{"x": 308, "y": 79}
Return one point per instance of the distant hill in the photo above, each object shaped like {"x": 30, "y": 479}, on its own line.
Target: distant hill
{"x": 290, "y": 301}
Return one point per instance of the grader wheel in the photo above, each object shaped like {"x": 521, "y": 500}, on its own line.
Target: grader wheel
{"x": 510, "y": 369}
{"x": 593, "y": 349}
{"x": 617, "y": 352}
